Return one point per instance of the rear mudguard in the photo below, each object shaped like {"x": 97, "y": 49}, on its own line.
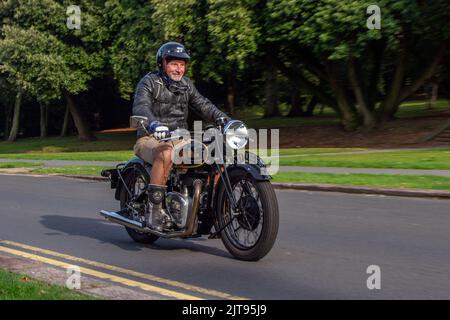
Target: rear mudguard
{"x": 135, "y": 163}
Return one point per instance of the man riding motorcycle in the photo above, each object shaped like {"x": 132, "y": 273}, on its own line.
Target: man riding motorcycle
{"x": 164, "y": 97}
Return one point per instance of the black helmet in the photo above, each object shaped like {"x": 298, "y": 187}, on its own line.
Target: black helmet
{"x": 171, "y": 50}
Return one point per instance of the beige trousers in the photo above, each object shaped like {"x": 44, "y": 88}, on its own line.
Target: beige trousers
{"x": 159, "y": 154}
{"x": 147, "y": 147}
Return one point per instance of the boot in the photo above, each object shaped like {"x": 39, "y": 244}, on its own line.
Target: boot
{"x": 156, "y": 195}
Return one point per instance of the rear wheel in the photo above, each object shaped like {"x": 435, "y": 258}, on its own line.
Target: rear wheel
{"x": 250, "y": 234}
{"x": 137, "y": 180}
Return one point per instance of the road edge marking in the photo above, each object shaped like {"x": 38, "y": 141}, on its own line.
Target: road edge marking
{"x": 102, "y": 275}
{"x": 133, "y": 273}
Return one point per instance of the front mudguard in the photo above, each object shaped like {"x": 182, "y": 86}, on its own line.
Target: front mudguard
{"x": 253, "y": 170}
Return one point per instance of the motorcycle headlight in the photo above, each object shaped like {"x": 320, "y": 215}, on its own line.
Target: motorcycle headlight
{"x": 236, "y": 134}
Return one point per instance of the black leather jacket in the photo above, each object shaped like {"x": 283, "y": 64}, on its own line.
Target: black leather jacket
{"x": 158, "y": 100}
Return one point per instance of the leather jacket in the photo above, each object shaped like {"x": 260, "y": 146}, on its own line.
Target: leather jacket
{"x": 169, "y": 101}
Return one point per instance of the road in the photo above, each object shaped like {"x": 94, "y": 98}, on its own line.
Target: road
{"x": 326, "y": 242}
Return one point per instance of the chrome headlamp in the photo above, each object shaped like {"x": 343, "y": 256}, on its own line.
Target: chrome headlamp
{"x": 236, "y": 134}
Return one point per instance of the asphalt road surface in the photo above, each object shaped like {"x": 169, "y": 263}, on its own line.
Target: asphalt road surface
{"x": 326, "y": 242}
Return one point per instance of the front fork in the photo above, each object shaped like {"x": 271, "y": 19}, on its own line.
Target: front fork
{"x": 227, "y": 184}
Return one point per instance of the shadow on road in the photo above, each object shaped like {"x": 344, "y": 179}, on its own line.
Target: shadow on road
{"x": 107, "y": 232}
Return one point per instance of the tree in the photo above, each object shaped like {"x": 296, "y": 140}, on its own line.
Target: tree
{"x": 78, "y": 54}
{"x": 232, "y": 35}
{"x": 333, "y": 43}
{"x": 133, "y": 43}
{"x": 221, "y": 36}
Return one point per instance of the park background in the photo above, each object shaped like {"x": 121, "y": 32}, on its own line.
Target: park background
{"x": 347, "y": 85}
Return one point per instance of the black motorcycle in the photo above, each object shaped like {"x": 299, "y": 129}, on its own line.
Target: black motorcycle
{"x": 233, "y": 200}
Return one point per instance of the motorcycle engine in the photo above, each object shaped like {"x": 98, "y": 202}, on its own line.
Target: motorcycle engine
{"x": 177, "y": 206}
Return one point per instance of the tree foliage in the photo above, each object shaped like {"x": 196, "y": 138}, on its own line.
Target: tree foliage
{"x": 242, "y": 50}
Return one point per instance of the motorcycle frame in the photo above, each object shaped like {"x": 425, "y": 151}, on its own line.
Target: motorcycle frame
{"x": 214, "y": 172}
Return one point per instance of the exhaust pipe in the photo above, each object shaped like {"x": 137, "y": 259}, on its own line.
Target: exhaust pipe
{"x": 190, "y": 223}
{"x": 117, "y": 218}
{"x": 192, "y": 218}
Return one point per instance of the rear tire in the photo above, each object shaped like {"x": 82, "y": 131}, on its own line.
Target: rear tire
{"x": 269, "y": 217}
{"x": 131, "y": 180}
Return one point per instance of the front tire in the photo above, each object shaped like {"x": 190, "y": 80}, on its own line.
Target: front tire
{"x": 261, "y": 214}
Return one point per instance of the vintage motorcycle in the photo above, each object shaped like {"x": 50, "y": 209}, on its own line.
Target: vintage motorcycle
{"x": 232, "y": 201}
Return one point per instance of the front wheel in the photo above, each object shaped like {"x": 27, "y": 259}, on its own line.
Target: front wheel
{"x": 250, "y": 234}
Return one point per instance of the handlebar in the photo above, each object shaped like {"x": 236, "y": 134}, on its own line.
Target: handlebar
{"x": 170, "y": 138}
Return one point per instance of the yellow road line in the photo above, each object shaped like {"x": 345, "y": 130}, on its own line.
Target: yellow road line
{"x": 102, "y": 275}
{"x": 133, "y": 273}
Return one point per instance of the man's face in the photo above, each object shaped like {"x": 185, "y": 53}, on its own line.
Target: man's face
{"x": 175, "y": 69}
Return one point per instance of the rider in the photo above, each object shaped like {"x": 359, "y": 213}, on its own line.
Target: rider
{"x": 164, "y": 97}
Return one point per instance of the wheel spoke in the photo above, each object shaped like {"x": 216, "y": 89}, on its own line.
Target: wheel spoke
{"x": 247, "y": 189}
{"x": 242, "y": 231}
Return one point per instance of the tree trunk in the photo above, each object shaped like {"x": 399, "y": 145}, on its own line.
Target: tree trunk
{"x": 310, "y": 107}
{"x": 7, "y": 120}
{"x": 426, "y": 74}
{"x": 388, "y": 105}
{"x": 347, "y": 112}
{"x": 296, "y": 76}
{"x": 434, "y": 94}
{"x": 44, "y": 120}
{"x": 356, "y": 83}
{"x": 231, "y": 90}
{"x": 16, "y": 118}
{"x": 402, "y": 93}
{"x": 296, "y": 103}
{"x": 65, "y": 126}
{"x": 271, "y": 88}
{"x": 374, "y": 78}
{"x": 84, "y": 132}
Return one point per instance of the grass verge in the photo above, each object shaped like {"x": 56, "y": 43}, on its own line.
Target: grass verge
{"x": 72, "y": 170}
{"x": 125, "y": 155}
{"x": 356, "y": 179}
{"x": 87, "y": 156}
{"x": 8, "y": 165}
{"x": 368, "y": 180}
{"x": 20, "y": 287}
{"x": 408, "y": 159}
{"x": 104, "y": 142}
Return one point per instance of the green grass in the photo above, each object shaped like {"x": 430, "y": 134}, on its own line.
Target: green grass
{"x": 369, "y": 180}
{"x": 19, "y": 287}
{"x": 104, "y": 142}
{"x": 128, "y": 154}
{"x": 305, "y": 151}
{"x": 8, "y": 165}
{"x": 73, "y": 170}
{"x": 408, "y": 159}
{"x": 88, "y": 156}
{"x": 419, "y": 108}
